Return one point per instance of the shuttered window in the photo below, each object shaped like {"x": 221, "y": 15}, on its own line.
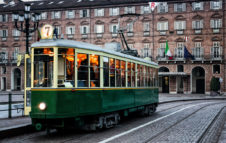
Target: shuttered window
{"x": 84, "y": 29}
{"x": 162, "y": 26}
{"x": 56, "y": 15}
{"x": 99, "y": 29}
{"x": 197, "y": 6}
{"x": 70, "y": 30}
{"x": 197, "y": 24}
{"x": 162, "y": 7}
{"x": 130, "y": 10}
{"x": 114, "y": 11}
{"x": 215, "y": 23}
{"x": 4, "y": 18}
{"x": 113, "y": 28}
{"x": 146, "y": 26}
{"x": 84, "y": 13}
{"x": 16, "y": 33}
{"x": 216, "y": 4}
{"x": 70, "y": 14}
{"x": 179, "y": 7}
{"x": 99, "y": 12}
{"x": 4, "y": 33}
{"x": 180, "y": 25}
{"x": 145, "y": 9}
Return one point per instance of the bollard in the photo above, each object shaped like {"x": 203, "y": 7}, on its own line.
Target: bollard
{"x": 10, "y": 104}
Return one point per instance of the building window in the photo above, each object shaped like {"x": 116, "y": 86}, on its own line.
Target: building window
{"x": 217, "y": 4}
{"x": 179, "y": 7}
{"x": 70, "y": 30}
{"x": 215, "y": 23}
{"x": 130, "y": 10}
{"x": 99, "y": 29}
{"x": 58, "y": 30}
{"x": 99, "y": 12}
{"x": 3, "y": 70}
{"x": 131, "y": 46}
{"x": 162, "y": 26}
{"x": 84, "y": 29}
{"x": 84, "y": 13}
{"x": 161, "y": 50}
{"x": 146, "y": 26}
{"x": 129, "y": 27}
{"x": 146, "y": 51}
{"x": 197, "y": 24}
{"x": 56, "y": 15}
{"x": 3, "y": 18}
{"x": 197, "y": 6}
{"x": 162, "y": 7}
{"x": 44, "y": 15}
{"x": 16, "y": 33}
{"x": 114, "y": 28}
{"x": 197, "y": 51}
{"x": 180, "y": 68}
{"x": 216, "y": 51}
{"x": 4, "y": 33}
{"x": 145, "y": 9}
{"x": 179, "y": 51}
{"x": 70, "y": 14}
{"x": 180, "y": 25}
{"x": 15, "y": 53}
{"x": 216, "y": 69}
{"x": 3, "y": 57}
{"x": 114, "y": 11}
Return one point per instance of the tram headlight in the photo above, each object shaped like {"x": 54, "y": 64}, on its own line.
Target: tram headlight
{"x": 42, "y": 106}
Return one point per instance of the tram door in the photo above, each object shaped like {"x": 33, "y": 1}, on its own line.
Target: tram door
{"x": 27, "y": 86}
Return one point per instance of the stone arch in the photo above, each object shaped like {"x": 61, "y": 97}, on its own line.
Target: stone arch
{"x": 197, "y": 17}
{"x": 99, "y": 22}
{"x": 84, "y": 23}
{"x": 198, "y": 80}
{"x": 163, "y": 69}
{"x": 180, "y": 17}
{"x": 114, "y": 21}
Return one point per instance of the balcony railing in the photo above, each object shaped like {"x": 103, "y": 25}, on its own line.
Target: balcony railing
{"x": 196, "y": 58}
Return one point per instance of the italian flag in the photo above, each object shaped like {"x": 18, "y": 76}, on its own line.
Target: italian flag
{"x": 167, "y": 51}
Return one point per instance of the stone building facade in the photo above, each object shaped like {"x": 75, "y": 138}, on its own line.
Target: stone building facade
{"x": 197, "y": 25}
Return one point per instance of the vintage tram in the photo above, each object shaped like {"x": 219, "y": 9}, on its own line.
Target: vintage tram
{"x": 79, "y": 84}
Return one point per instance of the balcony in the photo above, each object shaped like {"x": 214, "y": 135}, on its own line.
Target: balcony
{"x": 180, "y": 32}
{"x": 146, "y": 33}
{"x": 84, "y": 36}
{"x": 198, "y": 31}
{"x": 216, "y": 30}
{"x": 16, "y": 38}
{"x": 4, "y": 38}
{"x": 130, "y": 34}
{"x": 114, "y": 35}
{"x": 70, "y": 36}
{"x": 99, "y": 35}
{"x": 163, "y": 32}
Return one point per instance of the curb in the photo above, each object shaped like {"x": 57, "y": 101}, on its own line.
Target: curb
{"x": 171, "y": 101}
{"x": 16, "y": 130}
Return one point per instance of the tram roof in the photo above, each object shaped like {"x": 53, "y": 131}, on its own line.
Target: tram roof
{"x": 87, "y": 46}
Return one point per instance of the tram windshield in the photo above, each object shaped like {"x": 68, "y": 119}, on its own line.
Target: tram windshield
{"x": 43, "y": 67}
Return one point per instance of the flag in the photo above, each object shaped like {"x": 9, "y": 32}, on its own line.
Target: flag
{"x": 186, "y": 38}
{"x": 153, "y": 5}
{"x": 167, "y": 51}
{"x": 187, "y": 54}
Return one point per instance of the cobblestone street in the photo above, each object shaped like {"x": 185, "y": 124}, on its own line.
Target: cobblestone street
{"x": 191, "y": 121}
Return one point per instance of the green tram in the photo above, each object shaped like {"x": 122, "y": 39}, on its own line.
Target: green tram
{"x": 79, "y": 84}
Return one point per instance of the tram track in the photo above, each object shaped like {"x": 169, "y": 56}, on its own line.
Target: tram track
{"x": 183, "y": 119}
{"x": 81, "y": 136}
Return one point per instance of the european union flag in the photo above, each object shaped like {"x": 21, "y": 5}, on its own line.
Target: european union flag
{"x": 187, "y": 54}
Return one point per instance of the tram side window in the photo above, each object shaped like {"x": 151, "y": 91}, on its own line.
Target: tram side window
{"x": 123, "y": 73}
{"x": 151, "y": 77}
{"x": 141, "y": 75}
{"x": 66, "y": 66}
{"x": 148, "y": 77}
{"x": 156, "y": 77}
{"x": 145, "y": 76}
{"x": 43, "y": 67}
{"x": 133, "y": 73}
{"x": 138, "y": 75}
{"x": 106, "y": 71}
{"x": 112, "y": 72}
{"x": 94, "y": 71}
{"x": 118, "y": 73}
{"x": 129, "y": 74}
{"x": 82, "y": 66}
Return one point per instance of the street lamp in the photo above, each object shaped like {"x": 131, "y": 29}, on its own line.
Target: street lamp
{"x": 25, "y": 27}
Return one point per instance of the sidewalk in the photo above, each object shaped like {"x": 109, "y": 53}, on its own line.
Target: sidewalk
{"x": 7, "y": 125}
